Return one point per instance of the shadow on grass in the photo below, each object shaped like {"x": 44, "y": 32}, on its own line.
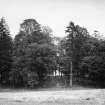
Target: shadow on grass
{"x": 52, "y": 88}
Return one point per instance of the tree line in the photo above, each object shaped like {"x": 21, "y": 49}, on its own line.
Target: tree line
{"x": 28, "y": 59}
{"x": 87, "y": 53}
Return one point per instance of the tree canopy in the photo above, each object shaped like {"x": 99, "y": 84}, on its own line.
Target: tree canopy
{"x": 35, "y": 54}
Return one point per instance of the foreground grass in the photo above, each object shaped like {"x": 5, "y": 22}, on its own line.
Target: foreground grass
{"x": 53, "y": 96}
{"x": 57, "y": 102}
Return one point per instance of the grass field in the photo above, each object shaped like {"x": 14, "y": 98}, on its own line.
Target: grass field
{"x": 52, "y": 96}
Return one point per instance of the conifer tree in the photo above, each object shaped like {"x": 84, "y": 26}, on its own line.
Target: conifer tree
{"x": 5, "y": 52}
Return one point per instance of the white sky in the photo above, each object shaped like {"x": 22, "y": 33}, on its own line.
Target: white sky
{"x": 55, "y": 13}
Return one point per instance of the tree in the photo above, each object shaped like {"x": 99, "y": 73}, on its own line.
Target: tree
{"x": 74, "y": 41}
{"x": 33, "y": 56}
{"x": 42, "y": 60}
{"x": 29, "y": 26}
{"x": 5, "y": 52}
{"x": 92, "y": 63}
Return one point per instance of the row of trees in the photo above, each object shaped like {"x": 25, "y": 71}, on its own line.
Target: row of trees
{"x": 86, "y": 52}
{"x": 31, "y": 56}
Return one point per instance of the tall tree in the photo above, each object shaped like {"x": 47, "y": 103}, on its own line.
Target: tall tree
{"x": 74, "y": 41}
{"x": 33, "y": 56}
{"x": 5, "y": 52}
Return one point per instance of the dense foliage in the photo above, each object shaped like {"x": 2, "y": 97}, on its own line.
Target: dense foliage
{"x": 34, "y": 55}
{"x": 86, "y": 52}
{"x": 5, "y": 53}
{"x": 93, "y": 62}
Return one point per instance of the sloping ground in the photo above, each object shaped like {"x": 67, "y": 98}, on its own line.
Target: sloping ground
{"x": 62, "y": 97}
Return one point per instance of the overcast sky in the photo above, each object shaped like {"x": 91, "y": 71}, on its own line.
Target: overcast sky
{"x": 55, "y": 13}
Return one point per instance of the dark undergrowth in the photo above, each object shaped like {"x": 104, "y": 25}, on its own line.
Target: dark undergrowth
{"x": 80, "y": 86}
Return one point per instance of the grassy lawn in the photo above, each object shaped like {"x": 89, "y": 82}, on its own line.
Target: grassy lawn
{"x": 52, "y": 96}
{"x": 64, "y": 102}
